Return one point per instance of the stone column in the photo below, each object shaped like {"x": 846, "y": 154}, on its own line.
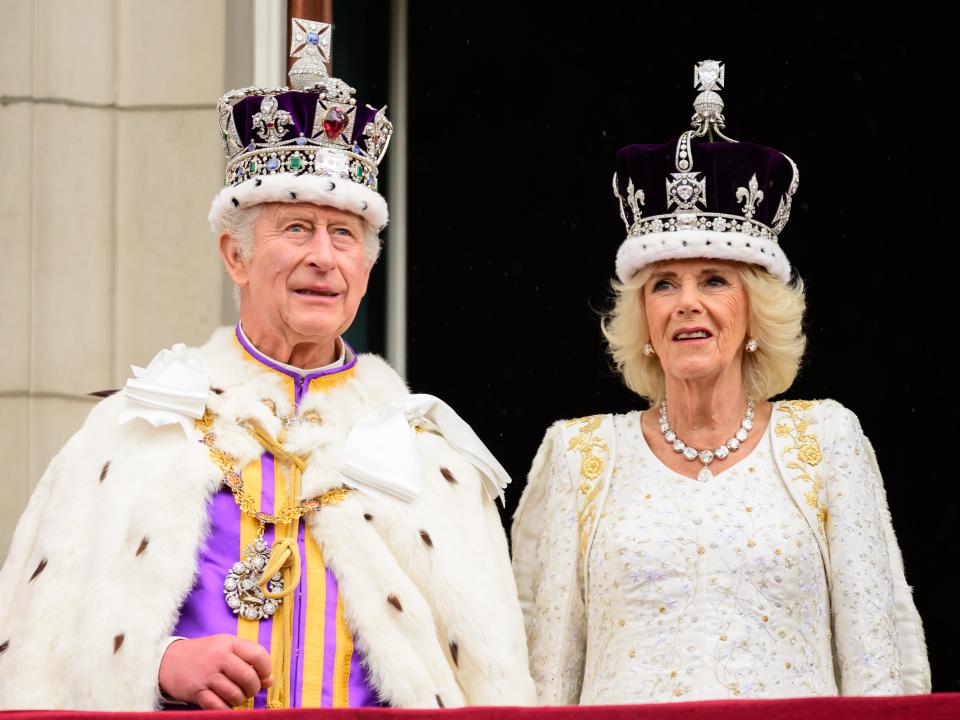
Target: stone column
{"x": 111, "y": 156}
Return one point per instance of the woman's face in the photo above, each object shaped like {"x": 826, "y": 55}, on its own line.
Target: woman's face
{"x": 697, "y": 315}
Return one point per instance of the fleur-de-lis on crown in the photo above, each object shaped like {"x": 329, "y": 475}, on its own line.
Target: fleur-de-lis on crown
{"x": 378, "y": 134}
{"x": 786, "y": 202}
{"x": 632, "y": 201}
{"x": 270, "y": 122}
{"x": 750, "y": 197}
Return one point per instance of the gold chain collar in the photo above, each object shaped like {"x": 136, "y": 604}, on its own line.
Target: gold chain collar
{"x": 233, "y": 479}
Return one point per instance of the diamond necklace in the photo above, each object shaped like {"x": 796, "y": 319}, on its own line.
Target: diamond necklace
{"x": 706, "y": 456}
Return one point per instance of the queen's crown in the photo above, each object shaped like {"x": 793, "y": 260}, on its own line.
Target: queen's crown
{"x": 720, "y": 186}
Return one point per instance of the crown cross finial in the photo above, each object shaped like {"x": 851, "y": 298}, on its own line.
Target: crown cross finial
{"x": 310, "y": 44}
{"x": 708, "y": 75}
{"x": 708, "y": 79}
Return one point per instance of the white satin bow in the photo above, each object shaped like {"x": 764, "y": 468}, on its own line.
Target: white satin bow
{"x": 380, "y": 458}
{"x": 173, "y": 388}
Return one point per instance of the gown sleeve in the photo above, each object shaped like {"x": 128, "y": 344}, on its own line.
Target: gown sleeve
{"x": 876, "y": 623}
{"x": 545, "y": 538}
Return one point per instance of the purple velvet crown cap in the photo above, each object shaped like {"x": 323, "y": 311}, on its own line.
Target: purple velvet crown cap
{"x": 302, "y": 107}
{"x": 725, "y": 166}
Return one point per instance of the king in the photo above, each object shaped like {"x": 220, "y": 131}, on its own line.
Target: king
{"x": 271, "y": 520}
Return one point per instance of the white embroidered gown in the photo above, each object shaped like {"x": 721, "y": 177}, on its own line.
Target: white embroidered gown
{"x": 703, "y": 590}
{"x": 712, "y": 590}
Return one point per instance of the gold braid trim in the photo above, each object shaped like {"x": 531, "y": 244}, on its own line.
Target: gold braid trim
{"x": 594, "y": 453}
{"x": 249, "y": 505}
{"x": 805, "y": 451}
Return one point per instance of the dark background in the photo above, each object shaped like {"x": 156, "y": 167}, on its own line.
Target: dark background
{"x": 516, "y": 113}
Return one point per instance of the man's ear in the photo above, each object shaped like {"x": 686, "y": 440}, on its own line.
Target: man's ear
{"x": 366, "y": 278}
{"x": 233, "y": 261}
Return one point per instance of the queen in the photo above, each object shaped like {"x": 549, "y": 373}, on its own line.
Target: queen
{"x": 719, "y": 544}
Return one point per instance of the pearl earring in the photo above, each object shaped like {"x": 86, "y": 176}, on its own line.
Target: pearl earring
{"x": 648, "y": 350}
{"x": 752, "y": 345}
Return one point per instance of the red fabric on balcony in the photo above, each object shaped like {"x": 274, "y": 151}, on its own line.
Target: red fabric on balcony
{"x": 940, "y": 706}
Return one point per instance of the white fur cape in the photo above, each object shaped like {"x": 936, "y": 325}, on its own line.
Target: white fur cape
{"x": 105, "y": 553}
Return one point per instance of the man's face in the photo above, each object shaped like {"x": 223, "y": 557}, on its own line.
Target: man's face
{"x": 307, "y": 273}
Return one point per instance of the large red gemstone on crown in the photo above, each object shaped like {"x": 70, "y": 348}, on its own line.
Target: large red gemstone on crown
{"x": 334, "y": 122}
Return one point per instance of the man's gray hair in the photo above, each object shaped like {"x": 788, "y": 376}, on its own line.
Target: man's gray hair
{"x": 239, "y": 222}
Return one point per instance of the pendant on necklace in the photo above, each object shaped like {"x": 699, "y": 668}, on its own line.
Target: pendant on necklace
{"x": 722, "y": 452}
{"x": 241, "y": 587}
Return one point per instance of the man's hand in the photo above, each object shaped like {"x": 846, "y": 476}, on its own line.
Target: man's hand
{"x": 216, "y": 672}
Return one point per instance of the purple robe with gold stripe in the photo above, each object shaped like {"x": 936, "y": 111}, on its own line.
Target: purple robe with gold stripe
{"x": 325, "y": 670}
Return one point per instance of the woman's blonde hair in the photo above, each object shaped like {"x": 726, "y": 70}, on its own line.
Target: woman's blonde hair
{"x": 775, "y": 320}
